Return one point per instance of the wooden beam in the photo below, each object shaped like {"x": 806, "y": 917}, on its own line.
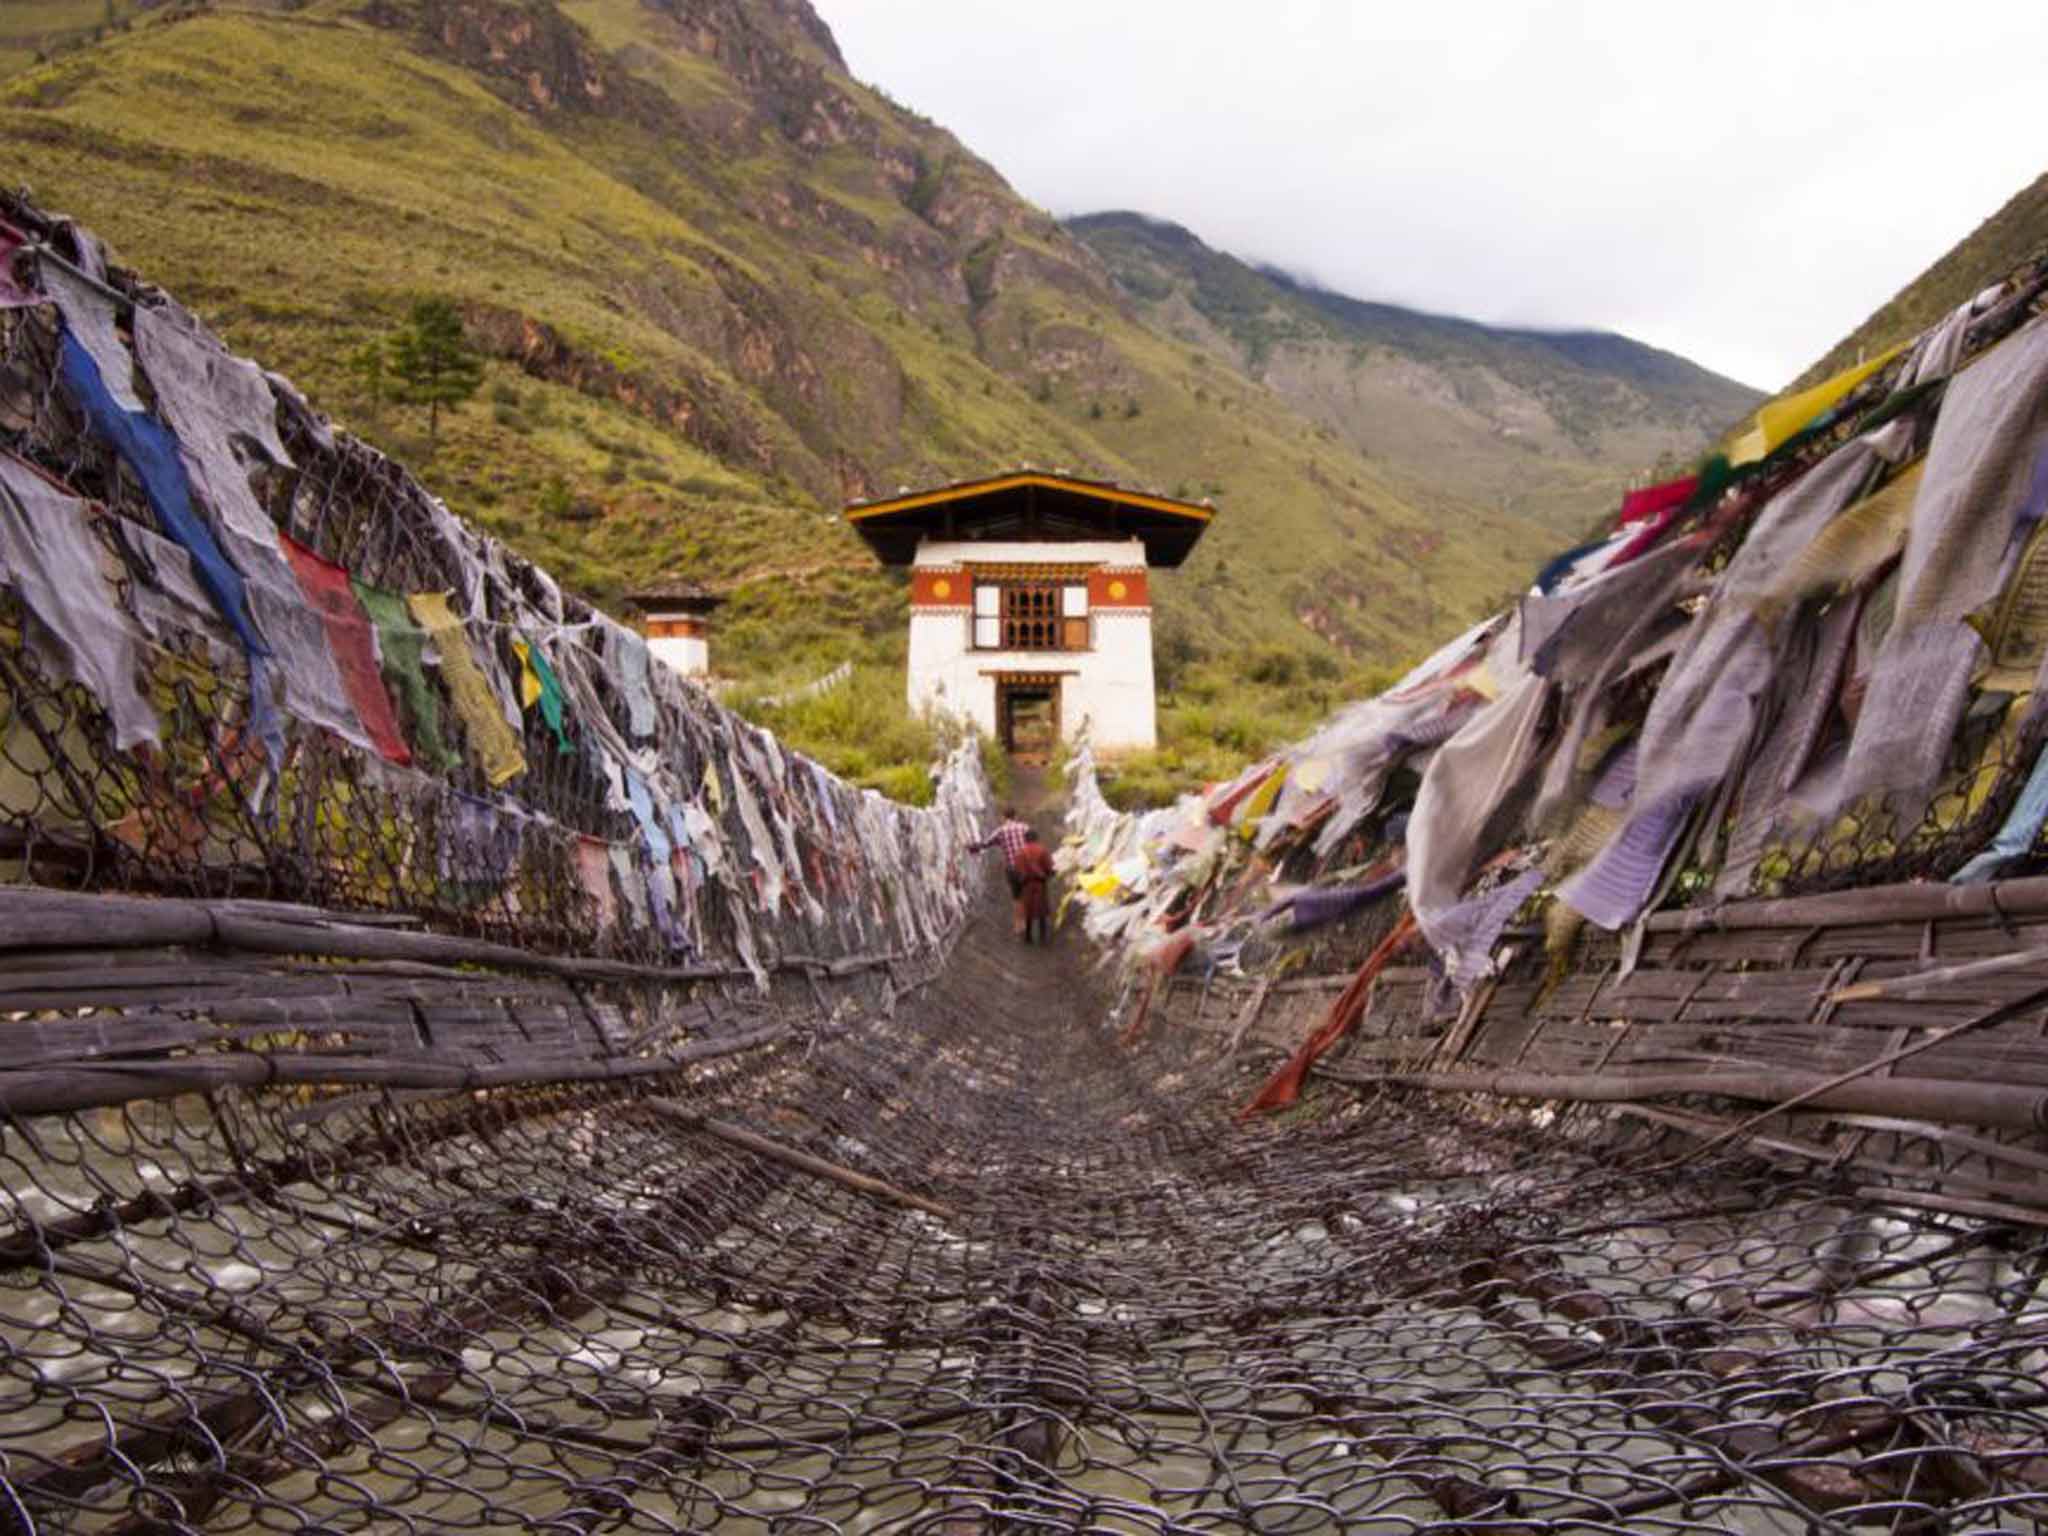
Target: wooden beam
{"x": 775, "y": 1151}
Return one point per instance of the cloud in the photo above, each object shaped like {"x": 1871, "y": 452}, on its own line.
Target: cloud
{"x": 1742, "y": 185}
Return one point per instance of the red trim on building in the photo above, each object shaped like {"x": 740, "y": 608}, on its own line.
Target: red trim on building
{"x": 1113, "y": 587}
{"x": 939, "y": 587}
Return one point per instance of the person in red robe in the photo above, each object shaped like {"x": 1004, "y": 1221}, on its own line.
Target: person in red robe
{"x": 1034, "y": 874}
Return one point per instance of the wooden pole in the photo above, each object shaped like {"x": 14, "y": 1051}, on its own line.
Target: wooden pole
{"x": 1875, "y": 1064}
{"x": 32, "y": 919}
{"x": 1929, "y": 983}
{"x": 1911, "y": 1098}
{"x": 1906, "y": 903}
{"x": 761, "y": 1146}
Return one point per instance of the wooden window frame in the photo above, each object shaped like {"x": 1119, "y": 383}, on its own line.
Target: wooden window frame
{"x": 1032, "y": 614}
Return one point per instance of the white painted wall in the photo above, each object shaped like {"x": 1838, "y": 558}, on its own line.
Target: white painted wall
{"x": 1114, "y": 692}
{"x": 1124, "y": 552}
{"x": 688, "y": 654}
{"x": 1110, "y": 687}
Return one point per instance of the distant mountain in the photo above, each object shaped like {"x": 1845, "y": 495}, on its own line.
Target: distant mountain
{"x": 1548, "y": 424}
{"x": 724, "y": 287}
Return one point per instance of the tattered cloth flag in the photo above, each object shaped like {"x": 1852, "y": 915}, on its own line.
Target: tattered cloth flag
{"x": 490, "y": 738}
{"x": 1778, "y": 420}
{"x": 1971, "y": 516}
{"x": 1317, "y": 905}
{"x": 628, "y": 655}
{"x": 594, "y": 870}
{"x": 1160, "y": 966}
{"x": 47, "y": 553}
{"x": 539, "y": 685}
{"x": 401, "y": 648}
{"x": 149, "y": 450}
{"x": 349, "y": 639}
{"x": 225, "y": 417}
{"x": 1224, "y": 806}
{"x": 1284, "y": 1086}
{"x": 1652, "y": 499}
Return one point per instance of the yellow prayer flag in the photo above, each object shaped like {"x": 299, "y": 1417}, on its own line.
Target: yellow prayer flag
{"x": 1779, "y": 419}
{"x": 1260, "y": 802}
{"x": 1100, "y": 882}
{"x": 529, "y": 680}
{"x": 496, "y": 748}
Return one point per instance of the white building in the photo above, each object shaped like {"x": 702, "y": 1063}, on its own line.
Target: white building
{"x": 1030, "y": 601}
{"x": 679, "y": 624}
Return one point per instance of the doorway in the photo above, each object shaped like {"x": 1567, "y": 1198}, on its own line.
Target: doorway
{"x": 1028, "y": 717}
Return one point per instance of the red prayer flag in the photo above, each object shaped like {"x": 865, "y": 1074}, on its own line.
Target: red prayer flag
{"x": 1284, "y": 1086}
{"x": 1241, "y": 790}
{"x": 13, "y": 295}
{"x": 350, "y": 642}
{"x": 1652, "y": 499}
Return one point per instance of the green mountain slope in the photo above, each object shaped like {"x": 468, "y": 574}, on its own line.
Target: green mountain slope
{"x": 1545, "y": 424}
{"x": 724, "y": 288}
{"x": 34, "y": 30}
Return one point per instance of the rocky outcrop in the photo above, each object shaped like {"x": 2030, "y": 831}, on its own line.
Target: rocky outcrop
{"x": 540, "y": 59}
{"x": 713, "y": 416}
{"x": 784, "y": 58}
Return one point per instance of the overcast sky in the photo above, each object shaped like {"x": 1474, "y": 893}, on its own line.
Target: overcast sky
{"x": 1742, "y": 183}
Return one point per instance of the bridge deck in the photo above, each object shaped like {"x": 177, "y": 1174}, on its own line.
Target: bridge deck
{"x": 311, "y": 1232}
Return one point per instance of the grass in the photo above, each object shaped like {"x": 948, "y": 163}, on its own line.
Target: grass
{"x": 863, "y": 730}
{"x": 31, "y": 30}
{"x": 1226, "y": 713}
{"x": 300, "y": 178}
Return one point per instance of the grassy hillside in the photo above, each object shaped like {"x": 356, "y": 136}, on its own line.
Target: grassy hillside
{"x": 724, "y": 288}
{"x": 34, "y": 30}
{"x": 1540, "y": 424}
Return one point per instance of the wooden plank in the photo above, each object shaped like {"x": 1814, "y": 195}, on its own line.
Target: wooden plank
{"x": 1988, "y": 1104}
{"x": 1910, "y": 902}
{"x": 32, "y": 918}
{"x": 88, "y": 1086}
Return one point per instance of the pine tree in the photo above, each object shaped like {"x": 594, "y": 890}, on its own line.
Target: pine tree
{"x": 433, "y": 361}
{"x": 371, "y": 365}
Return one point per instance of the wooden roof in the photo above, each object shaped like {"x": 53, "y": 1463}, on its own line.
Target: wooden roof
{"x": 1035, "y": 506}
{"x": 675, "y": 595}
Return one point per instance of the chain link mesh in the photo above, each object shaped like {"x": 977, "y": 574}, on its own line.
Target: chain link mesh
{"x": 562, "y": 1309}
{"x": 1027, "y": 1280}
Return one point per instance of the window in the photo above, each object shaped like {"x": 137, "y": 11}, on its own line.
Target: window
{"x": 1074, "y": 617}
{"x": 988, "y": 618}
{"x": 1030, "y": 616}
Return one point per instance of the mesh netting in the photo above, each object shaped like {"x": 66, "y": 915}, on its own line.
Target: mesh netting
{"x": 1076, "y": 1298}
{"x": 563, "y": 858}
{"x": 894, "y": 1244}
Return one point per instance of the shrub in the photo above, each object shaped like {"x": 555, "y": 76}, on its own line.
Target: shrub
{"x": 555, "y": 499}
{"x": 862, "y": 730}
{"x": 910, "y": 783}
{"x": 1274, "y": 665}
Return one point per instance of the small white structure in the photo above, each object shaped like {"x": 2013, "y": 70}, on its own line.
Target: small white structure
{"x": 679, "y": 624}
{"x": 1030, "y": 601}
